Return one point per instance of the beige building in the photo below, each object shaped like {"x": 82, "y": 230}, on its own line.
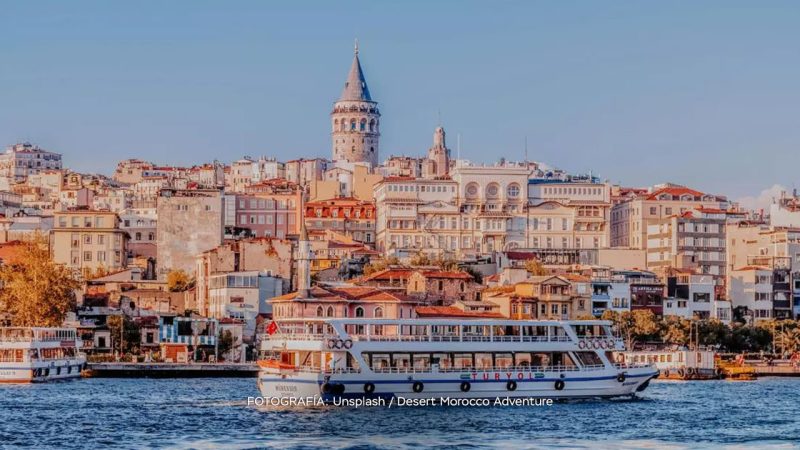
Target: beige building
{"x": 89, "y": 240}
{"x": 693, "y": 240}
{"x": 345, "y": 180}
{"x": 189, "y": 223}
{"x": 630, "y": 218}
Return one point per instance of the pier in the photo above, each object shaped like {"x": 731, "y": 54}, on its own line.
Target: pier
{"x": 170, "y": 370}
{"x": 775, "y": 369}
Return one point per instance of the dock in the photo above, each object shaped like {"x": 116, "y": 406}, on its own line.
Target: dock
{"x": 170, "y": 370}
{"x": 776, "y": 369}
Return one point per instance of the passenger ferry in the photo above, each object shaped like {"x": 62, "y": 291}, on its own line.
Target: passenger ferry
{"x": 456, "y": 358}
{"x": 39, "y": 354}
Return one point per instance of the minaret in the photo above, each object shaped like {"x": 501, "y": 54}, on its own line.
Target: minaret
{"x": 355, "y": 120}
{"x": 303, "y": 259}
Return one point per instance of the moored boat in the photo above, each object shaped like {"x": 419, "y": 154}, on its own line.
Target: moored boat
{"x": 679, "y": 363}
{"x": 455, "y": 358}
{"x": 37, "y": 354}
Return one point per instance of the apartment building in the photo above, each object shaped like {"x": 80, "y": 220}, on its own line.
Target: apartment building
{"x": 88, "y": 240}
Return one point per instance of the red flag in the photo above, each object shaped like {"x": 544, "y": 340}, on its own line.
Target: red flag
{"x": 272, "y": 328}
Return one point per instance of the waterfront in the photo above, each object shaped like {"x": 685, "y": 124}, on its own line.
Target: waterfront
{"x": 213, "y": 413}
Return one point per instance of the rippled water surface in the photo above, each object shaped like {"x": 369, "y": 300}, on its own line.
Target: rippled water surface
{"x": 213, "y": 413}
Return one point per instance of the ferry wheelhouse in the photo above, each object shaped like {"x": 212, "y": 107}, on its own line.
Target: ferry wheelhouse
{"x": 39, "y": 354}
{"x": 457, "y": 358}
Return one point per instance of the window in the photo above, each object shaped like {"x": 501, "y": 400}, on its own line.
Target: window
{"x": 319, "y": 311}
{"x": 359, "y": 312}
{"x": 329, "y": 313}
{"x": 378, "y": 312}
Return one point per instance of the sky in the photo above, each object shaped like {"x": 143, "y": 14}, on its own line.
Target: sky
{"x": 701, "y": 93}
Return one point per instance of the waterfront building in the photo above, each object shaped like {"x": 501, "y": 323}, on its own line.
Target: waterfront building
{"x": 355, "y": 120}
{"x": 695, "y": 296}
{"x": 242, "y": 295}
{"x": 189, "y": 223}
{"x": 694, "y": 239}
{"x": 268, "y": 256}
{"x": 88, "y": 240}
{"x": 631, "y": 217}
{"x": 184, "y": 339}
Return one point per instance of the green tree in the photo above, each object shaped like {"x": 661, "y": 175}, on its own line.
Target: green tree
{"x": 633, "y": 326}
{"x": 178, "y": 280}
{"x": 36, "y": 291}
{"x": 380, "y": 264}
{"x": 535, "y": 268}
{"x": 788, "y": 340}
{"x": 420, "y": 259}
{"x": 224, "y": 342}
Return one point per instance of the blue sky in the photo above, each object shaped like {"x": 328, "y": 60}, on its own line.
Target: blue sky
{"x": 701, "y": 93}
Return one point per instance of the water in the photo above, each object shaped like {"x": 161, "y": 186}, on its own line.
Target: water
{"x": 213, "y": 413}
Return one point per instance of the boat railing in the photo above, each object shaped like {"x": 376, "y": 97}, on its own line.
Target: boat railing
{"x": 429, "y": 369}
{"x": 631, "y": 365}
{"x": 416, "y": 338}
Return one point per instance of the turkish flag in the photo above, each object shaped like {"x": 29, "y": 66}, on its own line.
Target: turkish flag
{"x": 272, "y": 328}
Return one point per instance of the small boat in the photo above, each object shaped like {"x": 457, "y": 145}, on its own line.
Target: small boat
{"x": 38, "y": 354}
{"x": 357, "y": 358}
{"x": 678, "y": 364}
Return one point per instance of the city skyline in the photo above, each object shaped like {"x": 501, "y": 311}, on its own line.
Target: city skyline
{"x": 691, "y": 96}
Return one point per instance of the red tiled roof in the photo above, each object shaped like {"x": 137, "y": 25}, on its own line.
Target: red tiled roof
{"x": 452, "y": 311}
{"x": 445, "y": 274}
{"x": 387, "y": 274}
{"x": 675, "y": 191}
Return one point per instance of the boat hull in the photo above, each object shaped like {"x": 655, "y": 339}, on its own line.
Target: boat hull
{"x": 41, "y": 371}
{"x": 595, "y": 384}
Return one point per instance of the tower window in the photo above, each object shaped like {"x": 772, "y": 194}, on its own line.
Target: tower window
{"x": 372, "y": 149}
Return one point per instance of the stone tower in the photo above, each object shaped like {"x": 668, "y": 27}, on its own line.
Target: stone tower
{"x": 356, "y": 120}
{"x": 439, "y": 154}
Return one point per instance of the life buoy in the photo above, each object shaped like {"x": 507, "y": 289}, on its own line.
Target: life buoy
{"x": 418, "y": 387}
{"x": 559, "y": 385}
{"x": 582, "y": 345}
{"x": 595, "y": 345}
{"x": 347, "y": 344}
{"x": 369, "y": 388}
{"x": 611, "y": 344}
{"x": 327, "y": 388}
{"x": 338, "y": 344}
{"x": 331, "y": 343}
{"x": 690, "y": 371}
{"x": 621, "y": 378}
{"x": 511, "y": 385}
{"x": 681, "y": 373}
{"x": 603, "y": 344}
{"x": 465, "y": 386}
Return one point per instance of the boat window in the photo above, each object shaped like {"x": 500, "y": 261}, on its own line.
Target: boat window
{"x": 422, "y": 361}
{"x": 379, "y": 361}
{"x": 401, "y": 360}
{"x": 503, "y": 360}
{"x": 522, "y": 359}
{"x": 483, "y": 360}
{"x": 563, "y": 359}
{"x": 589, "y": 358}
{"x": 541, "y": 359}
{"x": 669, "y": 358}
{"x": 462, "y": 360}
{"x": 443, "y": 359}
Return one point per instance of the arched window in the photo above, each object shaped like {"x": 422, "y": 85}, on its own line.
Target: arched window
{"x": 372, "y": 149}
{"x": 330, "y": 311}
{"x": 342, "y": 125}
{"x": 359, "y": 312}
{"x": 319, "y": 311}
{"x": 378, "y": 312}
{"x": 513, "y": 190}
{"x": 492, "y": 190}
{"x": 463, "y": 286}
{"x": 372, "y": 125}
{"x": 363, "y": 126}
{"x": 352, "y": 124}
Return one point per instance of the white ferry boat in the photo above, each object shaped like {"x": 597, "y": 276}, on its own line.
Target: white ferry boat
{"x": 39, "y": 354}
{"x": 455, "y": 358}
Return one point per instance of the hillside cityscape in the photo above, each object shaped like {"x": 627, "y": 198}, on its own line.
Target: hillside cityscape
{"x": 201, "y": 259}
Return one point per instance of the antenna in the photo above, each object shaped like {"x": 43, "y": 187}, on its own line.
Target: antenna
{"x": 526, "y": 149}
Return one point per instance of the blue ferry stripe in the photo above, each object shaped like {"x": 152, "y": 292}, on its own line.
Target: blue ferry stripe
{"x": 612, "y": 377}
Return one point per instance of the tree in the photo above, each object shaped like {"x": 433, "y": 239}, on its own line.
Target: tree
{"x": 131, "y": 334}
{"x": 535, "y": 268}
{"x": 381, "y": 264}
{"x": 224, "y": 342}
{"x": 675, "y": 330}
{"x": 789, "y": 340}
{"x": 177, "y": 280}
{"x": 36, "y": 291}
{"x": 633, "y": 326}
{"x": 420, "y": 259}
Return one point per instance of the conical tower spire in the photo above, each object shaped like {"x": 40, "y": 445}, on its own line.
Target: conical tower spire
{"x": 355, "y": 88}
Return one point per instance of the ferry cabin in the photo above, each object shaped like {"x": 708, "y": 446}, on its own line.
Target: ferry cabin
{"x": 39, "y": 354}
{"x": 438, "y": 356}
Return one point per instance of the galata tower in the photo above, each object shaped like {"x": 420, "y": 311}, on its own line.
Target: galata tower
{"x": 356, "y": 120}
